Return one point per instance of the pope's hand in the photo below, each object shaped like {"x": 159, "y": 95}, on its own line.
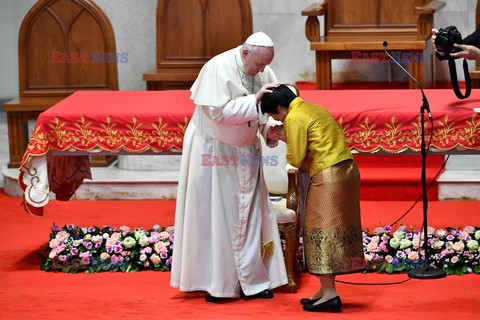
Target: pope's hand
{"x": 276, "y": 133}
{"x": 265, "y": 89}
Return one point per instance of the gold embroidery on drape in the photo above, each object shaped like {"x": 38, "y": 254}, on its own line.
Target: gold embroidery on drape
{"x": 333, "y": 251}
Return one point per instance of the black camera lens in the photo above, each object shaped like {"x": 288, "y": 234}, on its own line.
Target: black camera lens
{"x": 446, "y": 38}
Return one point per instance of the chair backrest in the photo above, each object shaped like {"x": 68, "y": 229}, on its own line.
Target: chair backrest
{"x": 190, "y": 32}
{"x": 65, "y": 46}
{"x": 275, "y": 170}
{"x": 351, "y": 18}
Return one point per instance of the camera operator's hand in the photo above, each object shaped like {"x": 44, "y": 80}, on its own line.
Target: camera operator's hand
{"x": 434, "y": 35}
{"x": 468, "y": 52}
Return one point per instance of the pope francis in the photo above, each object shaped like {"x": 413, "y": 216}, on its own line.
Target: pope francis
{"x": 226, "y": 235}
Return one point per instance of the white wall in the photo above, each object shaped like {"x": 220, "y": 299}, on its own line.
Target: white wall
{"x": 133, "y": 22}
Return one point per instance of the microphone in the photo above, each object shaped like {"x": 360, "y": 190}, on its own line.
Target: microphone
{"x": 425, "y": 102}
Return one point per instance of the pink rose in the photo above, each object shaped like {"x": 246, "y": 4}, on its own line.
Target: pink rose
{"x": 463, "y": 235}
{"x": 469, "y": 229}
{"x": 413, "y": 255}
{"x": 62, "y": 236}
{"x": 115, "y": 236}
{"x": 164, "y": 235}
{"x": 54, "y": 243}
{"x": 155, "y": 259}
{"x": 159, "y": 247}
{"x": 372, "y": 247}
{"x": 458, "y": 246}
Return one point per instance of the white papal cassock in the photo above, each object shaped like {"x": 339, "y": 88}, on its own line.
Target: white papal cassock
{"x": 226, "y": 234}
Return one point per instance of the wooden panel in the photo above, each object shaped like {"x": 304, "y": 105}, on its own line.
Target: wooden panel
{"x": 353, "y": 12}
{"x": 397, "y": 13}
{"x": 58, "y": 43}
{"x": 190, "y": 32}
{"x": 86, "y": 36}
{"x": 193, "y": 31}
{"x": 215, "y": 28}
{"x": 180, "y": 31}
{"x": 42, "y": 39}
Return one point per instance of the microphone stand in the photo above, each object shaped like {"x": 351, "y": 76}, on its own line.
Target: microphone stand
{"x": 428, "y": 272}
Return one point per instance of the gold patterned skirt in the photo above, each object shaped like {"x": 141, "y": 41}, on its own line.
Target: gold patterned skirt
{"x": 333, "y": 231}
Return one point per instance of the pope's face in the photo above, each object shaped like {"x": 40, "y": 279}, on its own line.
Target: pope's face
{"x": 255, "y": 62}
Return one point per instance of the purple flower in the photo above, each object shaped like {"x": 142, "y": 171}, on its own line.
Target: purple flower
{"x": 163, "y": 255}
{"x": 87, "y": 244}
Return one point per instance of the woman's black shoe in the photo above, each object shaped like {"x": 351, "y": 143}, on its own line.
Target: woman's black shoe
{"x": 210, "y": 298}
{"x": 305, "y": 301}
{"x": 332, "y": 305}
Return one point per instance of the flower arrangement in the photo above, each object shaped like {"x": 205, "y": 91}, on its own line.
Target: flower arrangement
{"x": 74, "y": 249}
{"x": 454, "y": 250}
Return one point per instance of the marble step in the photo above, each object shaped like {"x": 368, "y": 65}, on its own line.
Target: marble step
{"x": 157, "y": 179}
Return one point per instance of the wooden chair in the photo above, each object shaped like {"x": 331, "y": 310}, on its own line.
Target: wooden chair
{"x": 189, "y": 33}
{"x": 475, "y": 74}
{"x": 61, "y": 49}
{"x": 363, "y": 25}
{"x": 283, "y": 183}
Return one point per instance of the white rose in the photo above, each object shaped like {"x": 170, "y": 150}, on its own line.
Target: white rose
{"x": 129, "y": 242}
{"x": 139, "y": 234}
{"x": 143, "y": 241}
{"x": 399, "y": 234}
{"x": 472, "y": 245}
{"x": 477, "y": 234}
{"x": 394, "y": 243}
{"x": 405, "y": 243}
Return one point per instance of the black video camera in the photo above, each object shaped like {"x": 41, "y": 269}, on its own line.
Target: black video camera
{"x": 446, "y": 38}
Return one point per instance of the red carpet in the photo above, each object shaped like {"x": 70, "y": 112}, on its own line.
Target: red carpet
{"x": 28, "y": 293}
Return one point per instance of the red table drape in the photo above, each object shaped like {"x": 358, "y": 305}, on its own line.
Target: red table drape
{"x": 155, "y": 121}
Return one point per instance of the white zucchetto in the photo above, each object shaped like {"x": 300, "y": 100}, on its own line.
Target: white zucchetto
{"x": 259, "y": 39}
